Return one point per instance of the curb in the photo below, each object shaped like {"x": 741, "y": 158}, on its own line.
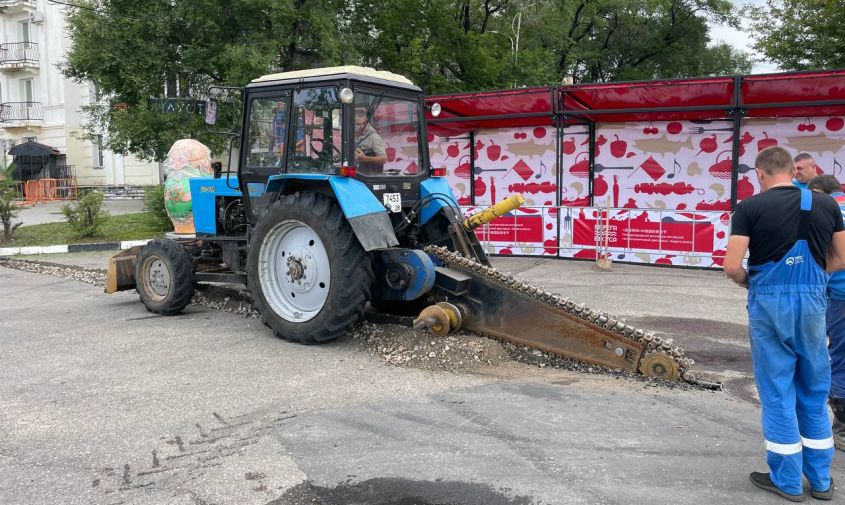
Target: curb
{"x": 71, "y": 248}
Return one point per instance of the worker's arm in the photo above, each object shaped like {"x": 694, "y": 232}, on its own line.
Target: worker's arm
{"x": 836, "y": 253}
{"x": 737, "y": 247}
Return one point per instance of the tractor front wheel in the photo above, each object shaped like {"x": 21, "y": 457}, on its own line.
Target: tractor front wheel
{"x": 164, "y": 277}
{"x": 306, "y": 270}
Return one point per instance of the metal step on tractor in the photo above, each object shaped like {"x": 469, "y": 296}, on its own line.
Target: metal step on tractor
{"x": 335, "y": 206}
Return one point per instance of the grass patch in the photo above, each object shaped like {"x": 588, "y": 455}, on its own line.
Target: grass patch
{"x": 124, "y": 227}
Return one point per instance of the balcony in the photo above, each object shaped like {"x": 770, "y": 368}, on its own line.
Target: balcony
{"x": 16, "y": 6}
{"x": 20, "y": 114}
{"x": 15, "y": 56}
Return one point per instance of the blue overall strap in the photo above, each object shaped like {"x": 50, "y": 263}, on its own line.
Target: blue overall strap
{"x": 804, "y": 220}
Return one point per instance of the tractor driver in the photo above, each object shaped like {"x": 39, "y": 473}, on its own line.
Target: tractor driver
{"x": 369, "y": 146}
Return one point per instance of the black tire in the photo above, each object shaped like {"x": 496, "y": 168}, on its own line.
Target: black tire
{"x": 350, "y": 275}
{"x": 164, "y": 277}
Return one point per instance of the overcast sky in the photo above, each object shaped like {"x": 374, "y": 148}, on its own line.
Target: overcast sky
{"x": 740, "y": 39}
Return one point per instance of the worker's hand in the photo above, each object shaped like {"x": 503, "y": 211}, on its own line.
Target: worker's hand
{"x": 359, "y": 153}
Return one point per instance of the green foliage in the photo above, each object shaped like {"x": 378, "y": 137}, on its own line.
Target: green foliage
{"x": 800, "y": 34}
{"x": 8, "y": 211}
{"x": 87, "y": 218}
{"x": 120, "y": 227}
{"x": 135, "y": 51}
{"x": 154, "y": 206}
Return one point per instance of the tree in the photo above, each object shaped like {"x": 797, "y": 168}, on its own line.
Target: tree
{"x": 8, "y": 210}
{"x": 134, "y": 50}
{"x": 800, "y": 34}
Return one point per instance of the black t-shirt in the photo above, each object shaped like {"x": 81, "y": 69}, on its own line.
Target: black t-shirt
{"x": 770, "y": 220}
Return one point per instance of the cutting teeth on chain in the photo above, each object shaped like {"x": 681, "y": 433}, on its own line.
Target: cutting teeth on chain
{"x": 652, "y": 343}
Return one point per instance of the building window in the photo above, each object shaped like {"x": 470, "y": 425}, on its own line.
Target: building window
{"x": 97, "y": 152}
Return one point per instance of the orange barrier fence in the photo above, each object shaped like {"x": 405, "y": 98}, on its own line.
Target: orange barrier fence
{"x": 47, "y": 190}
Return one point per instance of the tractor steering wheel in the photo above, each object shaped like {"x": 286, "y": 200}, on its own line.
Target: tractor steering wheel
{"x": 321, "y": 152}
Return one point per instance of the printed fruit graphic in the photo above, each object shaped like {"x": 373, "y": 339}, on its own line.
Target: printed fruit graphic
{"x": 599, "y": 186}
{"x": 618, "y": 147}
{"x": 835, "y": 124}
{"x": 539, "y": 132}
{"x": 744, "y": 188}
{"x": 452, "y": 151}
{"x": 430, "y": 137}
{"x": 707, "y": 145}
{"x": 569, "y": 146}
{"x": 391, "y": 153}
{"x": 674, "y": 127}
{"x": 493, "y": 151}
{"x": 506, "y": 250}
{"x": 766, "y": 142}
{"x": 808, "y": 126}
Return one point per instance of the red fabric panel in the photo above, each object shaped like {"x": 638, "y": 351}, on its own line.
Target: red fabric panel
{"x": 679, "y": 93}
{"x": 794, "y": 87}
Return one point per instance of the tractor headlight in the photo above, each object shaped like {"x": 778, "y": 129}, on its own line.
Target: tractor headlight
{"x": 435, "y": 109}
{"x": 346, "y": 95}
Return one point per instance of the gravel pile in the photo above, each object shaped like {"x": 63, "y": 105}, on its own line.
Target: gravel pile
{"x": 396, "y": 345}
{"x": 403, "y": 346}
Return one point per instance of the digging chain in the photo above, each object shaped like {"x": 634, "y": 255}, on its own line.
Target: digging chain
{"x": 654, "y": 345}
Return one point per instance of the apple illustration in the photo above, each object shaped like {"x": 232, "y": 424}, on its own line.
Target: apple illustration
{"x": 766, "y": 142}
{"x": 674, "y": 127}
{"x": 452, "y": 151}
{"x": 618, "y": 147}
{"x": 720, "y": 234}
{"x": 493, "y": 151}
{"x": 539, "y": 132}
{"x": 479, "y": 186}
{"x": 549, "y": 226}
{"x": 744, "y": 188}
{"x": 835, "y": 124}
{"x": 569, "y": 146}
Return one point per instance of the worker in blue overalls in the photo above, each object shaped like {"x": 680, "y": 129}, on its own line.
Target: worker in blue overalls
{"x": 835, "y": 321}
{"x": 789, "y": 233}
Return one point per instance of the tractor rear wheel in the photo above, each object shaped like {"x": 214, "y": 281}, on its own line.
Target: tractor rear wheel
{"x": 164, "y": 277}
{"x": 306, "y": 270}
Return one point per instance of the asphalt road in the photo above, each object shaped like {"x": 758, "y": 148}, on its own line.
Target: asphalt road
{"x": 102, "y": 402}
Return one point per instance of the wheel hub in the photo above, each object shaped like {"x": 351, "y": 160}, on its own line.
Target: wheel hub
{"x": 295, "y": 271}
{"x": 159, "y": 277}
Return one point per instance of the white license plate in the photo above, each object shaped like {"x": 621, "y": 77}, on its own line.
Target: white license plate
{"x": 393, "y": 202}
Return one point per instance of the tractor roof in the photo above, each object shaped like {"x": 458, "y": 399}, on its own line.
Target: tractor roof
{"x": 343, "y": 72}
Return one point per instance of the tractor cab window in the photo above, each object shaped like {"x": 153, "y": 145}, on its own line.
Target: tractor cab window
{"x": 268, "y": 127}
{"x": 315, "y": 140}
{"x": 386, "y": 136}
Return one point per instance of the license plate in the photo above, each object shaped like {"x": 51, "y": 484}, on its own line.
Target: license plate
{"x": 393, "y": 202}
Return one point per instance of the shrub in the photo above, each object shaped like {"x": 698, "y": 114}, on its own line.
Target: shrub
{"x": 87, "y": 217}
{"x": 154, "y": 206}
{"x": 8, "y": 211}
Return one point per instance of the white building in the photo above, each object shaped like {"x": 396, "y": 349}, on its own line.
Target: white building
{"x": 37, "y": 102}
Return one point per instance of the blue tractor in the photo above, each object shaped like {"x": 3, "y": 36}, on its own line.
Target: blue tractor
{"x": 335, "y": 209}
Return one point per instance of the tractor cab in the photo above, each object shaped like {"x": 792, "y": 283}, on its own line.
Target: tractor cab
{"x": 344, "y": 121}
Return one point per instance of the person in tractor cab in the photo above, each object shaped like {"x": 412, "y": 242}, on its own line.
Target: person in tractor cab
{"x": 369, "y": 146}
{"x": 835, "y": 321}
{"x": 805, "y": 169}
{"x": 792, "y": 235}
{"x": 278, "y": 132}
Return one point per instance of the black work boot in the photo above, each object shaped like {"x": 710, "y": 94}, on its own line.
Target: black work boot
{"x": 764, "y": 482}
{"x": 837, "y": 405}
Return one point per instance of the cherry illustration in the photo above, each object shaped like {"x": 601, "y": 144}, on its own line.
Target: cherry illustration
{"x": 493, "y": 151}
{"x": 413, "y": 138}
{"x": 520, "y": 134}
{"x": 618, "y": 147}
{"x": 766, "y": 142}
{"x": 569, "y": 146}
{"x": 834, "y": 124}
{"x": 674, "y": 127}
{"x": 539, "y": 132}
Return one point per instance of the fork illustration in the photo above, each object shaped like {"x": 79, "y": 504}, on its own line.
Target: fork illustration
{"x": 699, "y": 129}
